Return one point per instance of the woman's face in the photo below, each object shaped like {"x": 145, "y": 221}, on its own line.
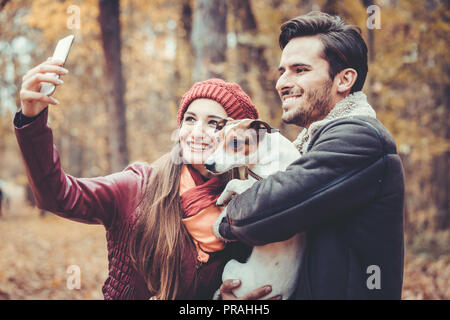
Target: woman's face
{"x": 197, "y": 131}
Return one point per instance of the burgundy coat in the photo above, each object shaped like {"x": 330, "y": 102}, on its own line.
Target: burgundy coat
{"x": 112, "y": 201}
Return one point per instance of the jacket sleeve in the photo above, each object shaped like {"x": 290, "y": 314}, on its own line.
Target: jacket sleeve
{"x": 342, "y": 171}
{"x": 90, "y": 200}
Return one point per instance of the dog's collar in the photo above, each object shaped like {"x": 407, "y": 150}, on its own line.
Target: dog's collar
{"x": 252, "y": 174}
{"x": 243, "y": 173}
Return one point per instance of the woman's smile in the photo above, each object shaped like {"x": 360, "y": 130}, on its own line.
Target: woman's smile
{"x": 197, "y": 146}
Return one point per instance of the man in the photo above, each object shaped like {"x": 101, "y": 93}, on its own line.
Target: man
{"x": 346, "y": 191}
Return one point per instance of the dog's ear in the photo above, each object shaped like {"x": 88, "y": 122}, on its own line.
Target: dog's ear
{"x": 260, "y": 128}
{"x": 262, "y": 125}
{"x": 222, "y": 123}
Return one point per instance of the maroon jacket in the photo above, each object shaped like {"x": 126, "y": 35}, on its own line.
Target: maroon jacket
{"x": 112, "y": 201}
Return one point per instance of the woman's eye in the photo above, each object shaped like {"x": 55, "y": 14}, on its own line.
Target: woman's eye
{"x": 213, "y": 123}
{"x": 189, "y": 119}
{"x": 300, "y": 70}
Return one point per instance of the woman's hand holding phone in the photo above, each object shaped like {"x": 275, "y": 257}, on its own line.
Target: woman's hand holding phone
{"x": 39, "y": 83}
{"x": 32, "y": 100}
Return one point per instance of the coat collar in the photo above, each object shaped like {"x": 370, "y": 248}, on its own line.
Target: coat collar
{"x": 354, "y": 104}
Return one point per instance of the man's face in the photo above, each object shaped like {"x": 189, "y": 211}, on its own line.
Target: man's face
{"x": 304, "y": 85}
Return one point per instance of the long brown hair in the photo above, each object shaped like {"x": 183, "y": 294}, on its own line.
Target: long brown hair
{"x": 159, "y": 237}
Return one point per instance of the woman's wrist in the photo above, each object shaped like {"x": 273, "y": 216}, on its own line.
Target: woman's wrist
{"x": 23, "y": 119}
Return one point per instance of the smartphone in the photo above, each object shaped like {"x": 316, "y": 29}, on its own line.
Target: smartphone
{"x": 61, "y": 52}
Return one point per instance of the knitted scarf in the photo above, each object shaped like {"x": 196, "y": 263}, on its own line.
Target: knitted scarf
{"x": 198, "y": 202}
{"x": 354, "y": 104}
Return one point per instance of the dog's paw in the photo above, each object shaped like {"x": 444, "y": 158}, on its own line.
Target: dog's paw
{"x": 225, "y": 197}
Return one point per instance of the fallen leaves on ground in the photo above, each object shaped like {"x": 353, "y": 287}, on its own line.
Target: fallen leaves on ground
{"x": 36, "y": 252}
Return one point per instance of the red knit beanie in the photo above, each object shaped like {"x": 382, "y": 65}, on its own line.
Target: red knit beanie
{"x": 234, "y": 100}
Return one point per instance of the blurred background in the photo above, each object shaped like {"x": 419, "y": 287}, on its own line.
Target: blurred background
{"x": 130, "y": 63}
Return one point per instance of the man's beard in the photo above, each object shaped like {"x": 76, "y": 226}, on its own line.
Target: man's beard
{"x": 315, "y": 106}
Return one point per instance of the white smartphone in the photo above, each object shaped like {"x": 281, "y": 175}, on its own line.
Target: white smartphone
{"x": 61, "y": 52}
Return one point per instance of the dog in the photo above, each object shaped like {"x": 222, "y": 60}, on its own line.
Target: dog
{"x": 258, "y": 151}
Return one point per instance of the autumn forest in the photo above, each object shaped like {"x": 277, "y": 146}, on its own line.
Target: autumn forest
{"x": 129, "y": 66}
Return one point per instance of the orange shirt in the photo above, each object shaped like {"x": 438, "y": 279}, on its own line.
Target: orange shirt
{"x": 200, "y": 225}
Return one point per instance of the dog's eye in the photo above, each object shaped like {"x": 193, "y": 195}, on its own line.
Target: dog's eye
{"x": 220, "y": 124}
{"x": 235, "y": 145}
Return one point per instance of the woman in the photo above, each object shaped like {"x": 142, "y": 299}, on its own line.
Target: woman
{"x": 158, "y": 217}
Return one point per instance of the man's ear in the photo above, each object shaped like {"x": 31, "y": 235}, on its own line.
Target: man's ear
{"x": 345, "y": 80}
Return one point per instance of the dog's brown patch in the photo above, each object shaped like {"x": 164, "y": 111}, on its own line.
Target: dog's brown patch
{"x": 245, "y": 136}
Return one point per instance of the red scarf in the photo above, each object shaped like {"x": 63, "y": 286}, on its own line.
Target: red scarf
{"x": 203, "y": 195}
{"x": 198, "y": 201}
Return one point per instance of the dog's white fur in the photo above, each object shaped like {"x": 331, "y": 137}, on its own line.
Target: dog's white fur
{"x": 275, "y": 264}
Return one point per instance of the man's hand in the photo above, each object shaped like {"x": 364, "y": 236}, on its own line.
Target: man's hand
{"x": 229, "y": 285}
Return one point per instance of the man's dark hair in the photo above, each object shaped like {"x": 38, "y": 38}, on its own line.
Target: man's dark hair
{"x": 343, "y": 45}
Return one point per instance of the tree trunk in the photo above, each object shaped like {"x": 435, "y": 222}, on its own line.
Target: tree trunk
{"x": 3, "y": 4}
{"x": 251, "y": 57}
{"x": 245, "y": 28}
{"x": 209, "y": 39}
{"x": 330, "y": 7}
{"x": 441, "y": 176}
{"x": 371, "y": 58}
{"x": 110, "y": 30}
{"x": 186, "y": 19}
{"x": 184, "y": 55}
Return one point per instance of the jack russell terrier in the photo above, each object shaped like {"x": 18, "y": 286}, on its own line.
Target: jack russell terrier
{"x": 257, "y": 150}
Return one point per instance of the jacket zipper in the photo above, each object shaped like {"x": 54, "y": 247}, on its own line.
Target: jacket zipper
{"x": 198, "y": 265}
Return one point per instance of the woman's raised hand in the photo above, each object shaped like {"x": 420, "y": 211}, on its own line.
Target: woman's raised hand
{"x": 32, "y": 100}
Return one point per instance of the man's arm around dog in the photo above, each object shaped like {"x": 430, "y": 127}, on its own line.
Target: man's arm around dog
{"x": 347, "y": 193}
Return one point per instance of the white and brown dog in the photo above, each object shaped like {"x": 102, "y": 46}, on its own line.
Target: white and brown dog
{"x": 262, "y": 151}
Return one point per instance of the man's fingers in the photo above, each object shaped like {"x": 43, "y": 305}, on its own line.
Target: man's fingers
{"x": 229, "y": 285}
{"x": 27, "y": 96}
{"x": 258, "y": 293}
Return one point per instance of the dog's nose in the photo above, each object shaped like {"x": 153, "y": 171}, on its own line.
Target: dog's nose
{"x": 210, "y": 165}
